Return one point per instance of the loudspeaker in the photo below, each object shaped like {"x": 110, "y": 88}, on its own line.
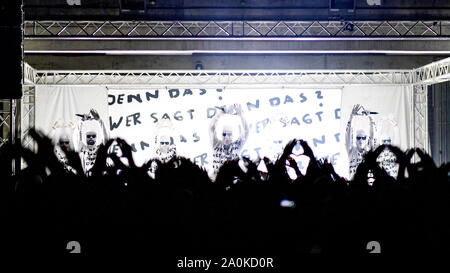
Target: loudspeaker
{"x": 11, "y": 54}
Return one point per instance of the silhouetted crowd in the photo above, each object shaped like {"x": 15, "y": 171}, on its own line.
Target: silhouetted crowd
{"x": 120, "y": 208}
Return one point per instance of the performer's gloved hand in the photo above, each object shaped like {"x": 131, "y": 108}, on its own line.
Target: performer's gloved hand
{"x": 364, "y": 111}
{"x": 94, "y": 114}
{"x": 359, "y": 110}
{"x": 237, "y": 108}
{"x": 356, "y": 109}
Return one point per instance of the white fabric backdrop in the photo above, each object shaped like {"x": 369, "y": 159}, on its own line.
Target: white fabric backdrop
{"x": 393, "y": 103}
{"x": 304, "y": 113}
{"x": 311, "y": 114}
{"x": 56, "y": 106}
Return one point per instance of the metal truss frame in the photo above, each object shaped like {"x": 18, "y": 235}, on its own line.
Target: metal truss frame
{"x": 9, "y": 126}
{"x": 27, "y": 116}
{"x": 234, "y": 78}
{"x": 17, "y": 117}
{"x": 433, "y": 73}
{"x": 29, "y": 74}
{"x": 420, "y": 117}
{"x": 418, "y": 78}
{"x": 10, "y": 110}
{"x": 237, "y": 29}
{"x": 423, "y": 77}
{"x": 25, "y": 107}
{"x": 5, "y": 120}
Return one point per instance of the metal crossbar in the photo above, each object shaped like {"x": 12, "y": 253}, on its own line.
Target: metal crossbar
{"x": 419, "y": 78}
{"x": 420, "y": 117}
{"x": 29, "y": 74}
{"x": 429, "y": 74}
{"x": 433, "y": 73}
{"x": 5, "y": 121}
{"x": 224, "y": 77}
{"x": 27, "y": 116}
{"x": 235, "y": 29}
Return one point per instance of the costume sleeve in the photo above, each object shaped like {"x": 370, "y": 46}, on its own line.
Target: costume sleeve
{"x": 372, "y": 140}
{"x": 212, "y": 130}
{"x": 77, "y": 136}
{"x": 349, "y": 134}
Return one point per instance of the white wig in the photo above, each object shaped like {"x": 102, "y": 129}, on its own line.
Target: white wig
{"x": 62, "y": 133}
{"x": 234, "y": 122}
{"x": 164, "y": 131}
{"x": 85, "y": 127}
{"x": 164, "y": 127}
{"x": 388, "y": 130}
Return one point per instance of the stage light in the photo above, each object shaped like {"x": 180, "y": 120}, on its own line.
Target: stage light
{"x": 199, "y": 66}
{"x": 285, "y": 203}
{"x": 349, "y": 27}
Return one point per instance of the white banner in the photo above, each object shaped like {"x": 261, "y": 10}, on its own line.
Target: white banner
{"x": 390, "y": 109}
{"x": 57, "y": 106}
{"x": 275, "y": 116}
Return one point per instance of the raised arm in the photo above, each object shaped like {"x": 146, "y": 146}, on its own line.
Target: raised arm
{"x": 372, "y": 140}
{"x": 105, "y": 132}
{"x": 212, "y": 128}
{"x": 349, "y": 130}
{"x": 96, "y": 116}
{"x": 77, "y": 136}
{"x": 245, "y": 128}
